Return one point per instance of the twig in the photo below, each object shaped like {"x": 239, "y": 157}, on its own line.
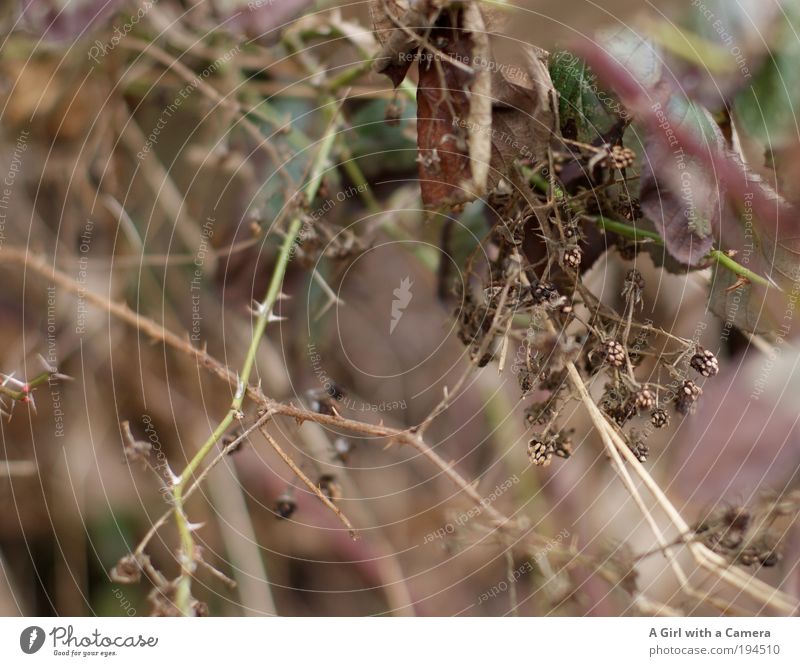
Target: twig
{"x": 309, "y": 483}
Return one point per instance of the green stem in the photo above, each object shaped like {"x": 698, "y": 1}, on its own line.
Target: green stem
{"x": 714, "y": 255}
{"x": 264, "y": 312}
{"x": 628, "y": 231}
{"x": 720, "y": 257}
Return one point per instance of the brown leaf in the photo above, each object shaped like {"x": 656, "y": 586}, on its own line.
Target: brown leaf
{"x": 400, "y": 46}
{"x": 522, "y": 117}
{"x": 474, "y": 118}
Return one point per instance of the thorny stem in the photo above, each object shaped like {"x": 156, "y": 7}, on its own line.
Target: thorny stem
{"x": 264, "y": 314}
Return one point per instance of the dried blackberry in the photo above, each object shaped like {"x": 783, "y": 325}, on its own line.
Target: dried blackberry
{"x": 640, "y": 450}
{"x": 330, "y": 487}
{"x": 705, "y": 362}
{"x": 540, "y": 413}
{"x": 622, "y": 413}
{"x": 613, "y": 353}
{"x": 644, "y": 399}
{"x": 631, "y": 209}
{"x": 525, "y": 381}
{"x": 562, "y": 445}
{"x": 621, "y": 158}
{"x": 687, "y": 395}
{"x": 540, "y": 452}
{"x": 284, "y": 507}
{"x": 573, "y": 257}
{"x": 634, "y": 278}
{"x": 659, "y": 418}
{"x": 633, "y": 287}
{"x": 544, "y": 292}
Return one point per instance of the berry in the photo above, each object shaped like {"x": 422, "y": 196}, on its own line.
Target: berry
{"x": 631, "y": 209}
{"x": 330, "y": 487}
{"x": 622, "y": 413}
{"x": 543, "y": 293}
{"x": 621, "y": 158}
{"x": 640, "y": 450}
{"x": 284, "y": 507}
{"x": 686, "y": 396}
{"x": 562, "y": 445}
{"x": 614, "y": 353}
{"x": 635, "y": 279}
{"x": 540, "y": 452}
{"x": 705, "y": 362}
{"x": 573, "y": 257}
{"x": 539, "y": 413}
{"x": 644, "y": 399}
{"x": 659, "y": 418}
{"x": 525, "y": 381}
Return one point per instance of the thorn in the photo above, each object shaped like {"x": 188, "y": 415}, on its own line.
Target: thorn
{"x": 173, "y": 478}
{"x": 256, "y": 308}
{"x": 741, "y": 281}
{"x": 283, "y": 297}
{"x": 49, "y": 368}
{"x": 273, "y": 317}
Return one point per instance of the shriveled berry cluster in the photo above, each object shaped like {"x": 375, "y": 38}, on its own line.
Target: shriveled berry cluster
{"x": 732, "y": 532}
{"x": 659, "y": 418}
{"x": 631, "y": 209}
{"x": 613, "y": 353}
{"x": 634, "y": 278}
{"x": 562, "y": 444}
{"x": 644, "y": 399}
{"x": 540, "y": 413}
{"x": 573, "y": 257}
{"x": 285, "y": 506}
{"x": 544, "y": 292}
{"x": 621, "y": 158}
{"x": 540, "y": 452}
{"x": 330, "y": 487}
{"x": 686, "y": 396}
{"x": 705, "y": 362}
{"x": 639, "y": 448}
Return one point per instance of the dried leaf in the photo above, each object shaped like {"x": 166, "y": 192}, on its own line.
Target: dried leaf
{"x": 400, "y": 46}
{"x": 473, "y": 119}
{"x": 522, "y": 118}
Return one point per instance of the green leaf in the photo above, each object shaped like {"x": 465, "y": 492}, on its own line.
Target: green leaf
{"x": 583, "y": 116}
